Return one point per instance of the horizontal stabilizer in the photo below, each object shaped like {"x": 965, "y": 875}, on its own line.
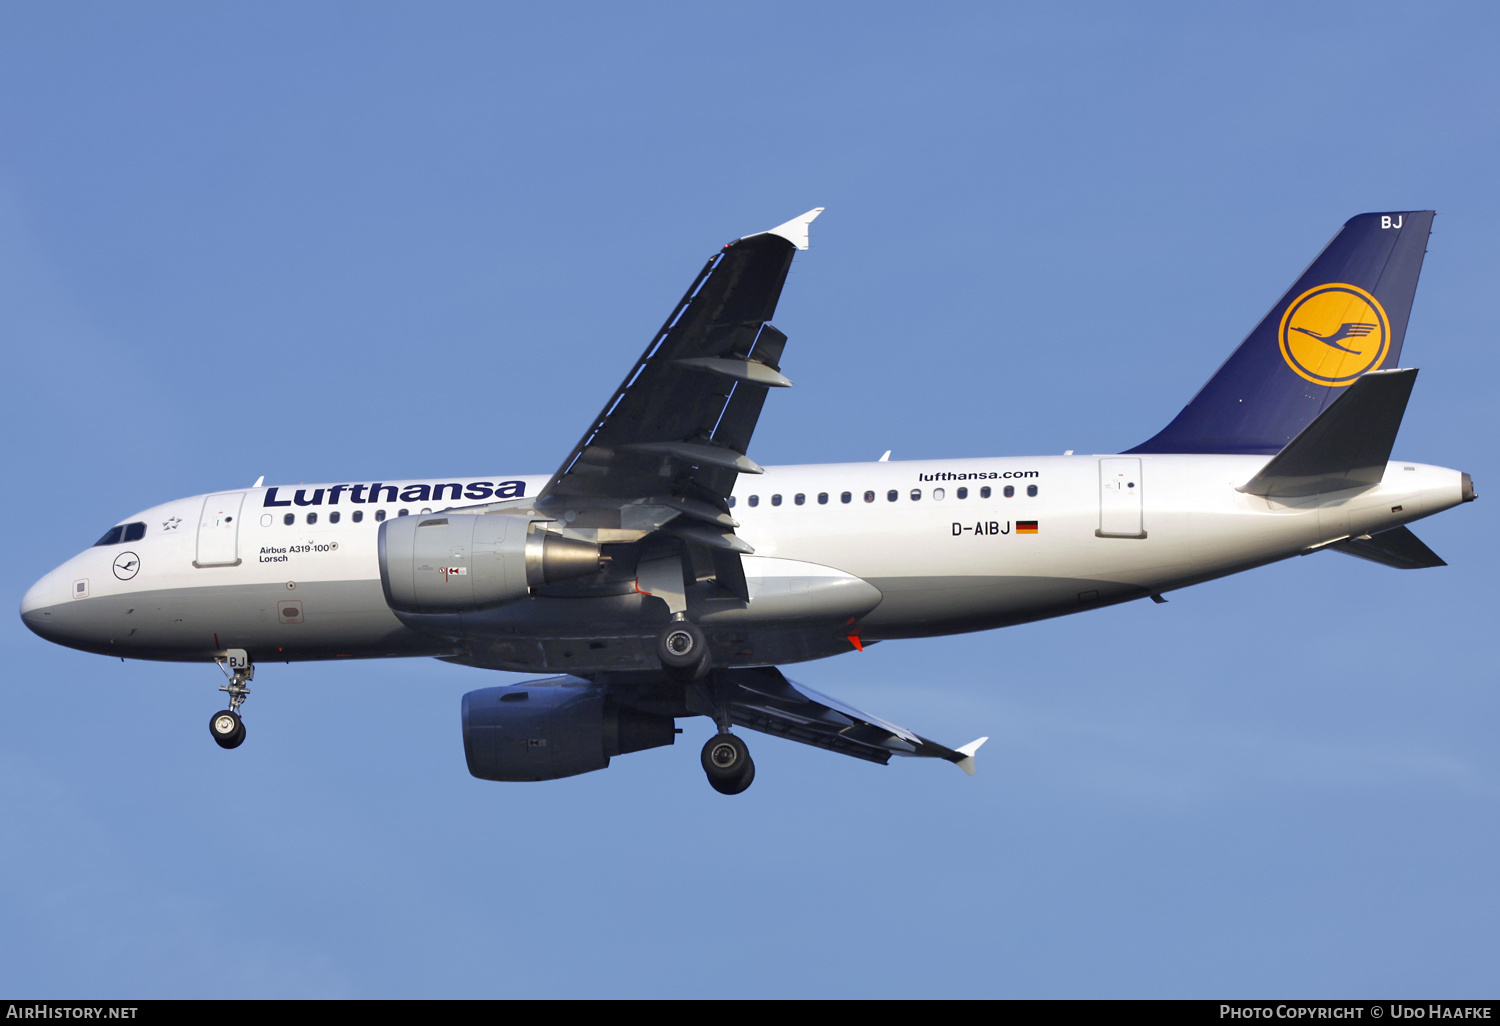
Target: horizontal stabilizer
{"x": 1346, "y": 446}
{"x": 1397, "y": 547}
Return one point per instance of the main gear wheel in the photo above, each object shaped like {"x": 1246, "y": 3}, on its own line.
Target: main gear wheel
{"x": 726, "y": 760}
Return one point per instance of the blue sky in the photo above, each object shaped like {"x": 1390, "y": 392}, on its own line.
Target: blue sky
{"x": 349, "y": 241}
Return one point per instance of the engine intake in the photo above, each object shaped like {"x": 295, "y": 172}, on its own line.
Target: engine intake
{"x": 557, "y": 727}
{"x": 453, "y": 563}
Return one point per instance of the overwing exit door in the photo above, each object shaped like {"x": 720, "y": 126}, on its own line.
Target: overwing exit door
{"x": 1120, "y": 498}
{"x": 219, "y": 530}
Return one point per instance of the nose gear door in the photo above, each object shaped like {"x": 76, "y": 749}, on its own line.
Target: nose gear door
{"x": 1120, "y": 498}
{"x": 219, "y": 530}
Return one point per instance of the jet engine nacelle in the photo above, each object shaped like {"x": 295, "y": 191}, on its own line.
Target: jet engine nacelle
{"x": 453, "y": 563}
{"x": 557, "y": 727}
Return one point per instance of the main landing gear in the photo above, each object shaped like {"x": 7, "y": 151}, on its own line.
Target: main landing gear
{"x": 683, "y": 650}
{"x": 726, "y": 760}
{"x": 227, "y": 728}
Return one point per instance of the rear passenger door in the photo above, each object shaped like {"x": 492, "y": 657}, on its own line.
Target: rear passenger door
{"x": 1120, "y": 498}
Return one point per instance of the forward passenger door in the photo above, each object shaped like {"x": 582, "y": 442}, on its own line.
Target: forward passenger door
{"x": 219, "y": 530}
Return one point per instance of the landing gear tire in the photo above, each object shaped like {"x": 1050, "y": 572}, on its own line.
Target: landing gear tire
{"x": 727, "y": 762}
{"x": 683, "y": 650}
{"x": 227, "y": 728}
{"x": 747, "y": 777}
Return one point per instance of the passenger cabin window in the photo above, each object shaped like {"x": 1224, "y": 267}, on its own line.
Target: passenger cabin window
{"x": 916, "y": 495}
{"x": 845, "y": 497}
{"x": 333, "y": 517}
{"x": 776, "y": 500}
{"x": 755, "y": 500}
{"x": 892, "y": 495}
{"x": 962, "y": 493}
{"x": 312, "y": 518}
{"x": 1031, "y": 490}
{"x": 357, "y": 515}
{"x": 984, "y": 493}
{"x": 289, "y": 519}
{"x": 799, "y": 498}
{"x": 402, "y": 512}
{"x": 379, "y": 515}
{"x": 1010, "y": 491}
{"x": 731, "y": 502}
{"x": 869, "y": 496}
{"x": 823, "y": 499}
{"x": 938, "y": 494}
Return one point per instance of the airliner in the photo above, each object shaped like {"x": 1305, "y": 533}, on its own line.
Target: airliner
{"x": 661, "y": 573}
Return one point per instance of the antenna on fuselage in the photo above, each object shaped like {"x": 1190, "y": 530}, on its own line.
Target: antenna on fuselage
{"x": 886, "y": 458}
{"x": 259, "y": 481}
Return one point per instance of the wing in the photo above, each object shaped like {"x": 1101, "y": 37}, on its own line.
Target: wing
{"x": 762, "y": 699}
{"x": 675, "y": 433}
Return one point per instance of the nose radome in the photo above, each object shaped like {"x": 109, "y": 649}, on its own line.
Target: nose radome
{"x": 51, "y": 590}
{"x": 35, "y": 597}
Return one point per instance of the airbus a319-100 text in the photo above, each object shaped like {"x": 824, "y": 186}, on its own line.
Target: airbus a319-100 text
{"x": 661, "y": 573}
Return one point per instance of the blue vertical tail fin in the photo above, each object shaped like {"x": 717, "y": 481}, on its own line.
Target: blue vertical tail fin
{"x": 1344, "y": 317}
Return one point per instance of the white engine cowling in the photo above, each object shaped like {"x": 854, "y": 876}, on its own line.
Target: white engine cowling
{"x": 454, "y": 563}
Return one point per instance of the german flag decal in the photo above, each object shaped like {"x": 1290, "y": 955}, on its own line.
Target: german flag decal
{"x": 1026, "y": 527}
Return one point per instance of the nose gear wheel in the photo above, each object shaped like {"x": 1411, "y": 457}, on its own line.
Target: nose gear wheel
{"x": 227, "y": 728}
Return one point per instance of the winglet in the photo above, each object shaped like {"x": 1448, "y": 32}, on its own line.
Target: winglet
{"x": 967, "y": 751}
{"x": 795, "y": 230}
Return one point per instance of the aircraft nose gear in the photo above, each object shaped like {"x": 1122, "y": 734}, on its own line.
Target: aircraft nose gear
{"x": 683, "y": 650}
{"x": 227, "y": 728}
{"x": 727, "y": 762}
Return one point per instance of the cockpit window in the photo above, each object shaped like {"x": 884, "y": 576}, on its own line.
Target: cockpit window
{"x": 123, "y": 533}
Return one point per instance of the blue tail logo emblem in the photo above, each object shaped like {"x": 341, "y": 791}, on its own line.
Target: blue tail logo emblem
{"x": 1332, "y": 334}
{"x": 1345, "y": 331}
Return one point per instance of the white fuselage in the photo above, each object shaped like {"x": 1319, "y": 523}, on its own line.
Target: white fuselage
{"x": 289, "y": 573}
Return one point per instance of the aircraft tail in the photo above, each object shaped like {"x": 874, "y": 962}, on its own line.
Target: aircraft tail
{"x": 1346, "y": 315}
